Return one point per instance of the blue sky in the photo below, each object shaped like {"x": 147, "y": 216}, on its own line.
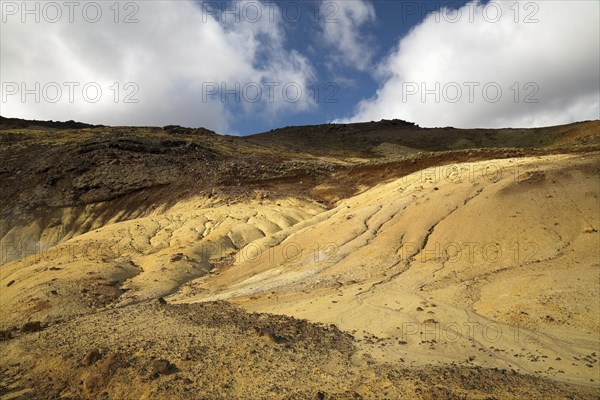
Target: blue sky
{"x": 225, "y": 64}
{"x": 394, "y": 20}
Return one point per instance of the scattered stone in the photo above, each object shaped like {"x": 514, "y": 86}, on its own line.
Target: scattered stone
{"x": 590, "y": 229}
{"x": 102, "y": 372}
{"x": 162, "y": 367}
{"x": 32, "y": 326}
{"x": 268, "y": 336}
{"x": 91, "y": 357}
{"x": 5, "y": 335}
{"x": 162, "y": 300}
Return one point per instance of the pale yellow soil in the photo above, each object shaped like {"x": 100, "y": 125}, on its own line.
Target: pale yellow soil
{"x": 496, "y": 265}
{"x": 136, "y": 260}
{"x": 442, "y": 283}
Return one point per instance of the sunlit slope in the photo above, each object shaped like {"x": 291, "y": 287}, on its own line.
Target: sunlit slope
{"x": 497, "y": 262}
{"x": 136, "y": 260}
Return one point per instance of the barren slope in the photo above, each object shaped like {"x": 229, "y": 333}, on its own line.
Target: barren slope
{"x": 391, "y": 262}
{"x": 494, "y": 262}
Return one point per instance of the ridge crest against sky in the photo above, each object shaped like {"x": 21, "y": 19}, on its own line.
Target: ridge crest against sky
{"x": 242, "y": 67}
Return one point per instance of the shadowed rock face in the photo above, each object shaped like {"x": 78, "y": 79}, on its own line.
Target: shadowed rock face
{"x": 382, "y": 260}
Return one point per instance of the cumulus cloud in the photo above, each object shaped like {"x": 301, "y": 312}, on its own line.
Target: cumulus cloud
{"x": 177, "y": 59}
{"x": 494, "y": 65}
{"x": 341, "y": 23}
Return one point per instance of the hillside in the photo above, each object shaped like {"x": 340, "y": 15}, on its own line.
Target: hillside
{"x": 375, "y": 260}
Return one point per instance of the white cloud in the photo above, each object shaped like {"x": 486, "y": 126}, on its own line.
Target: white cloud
{"x": 554, "y": 60}
{"x": 173, "y": 54}
{"x": 341, "y": 23}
